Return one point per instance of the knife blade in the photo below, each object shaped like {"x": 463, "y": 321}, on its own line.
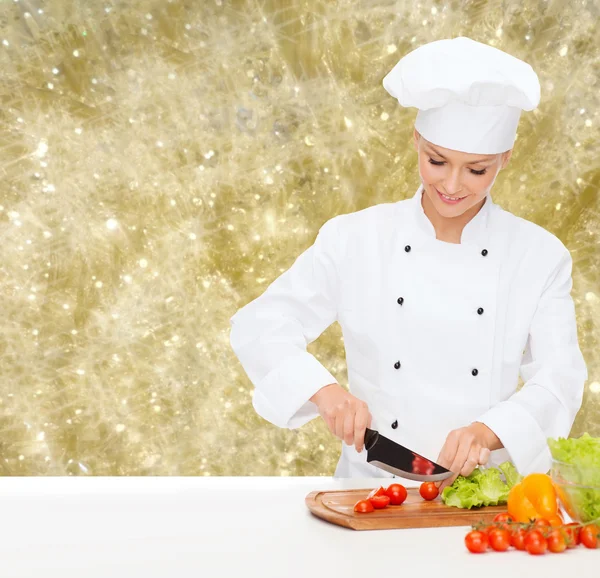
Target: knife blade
{"x": 396, "y": 459}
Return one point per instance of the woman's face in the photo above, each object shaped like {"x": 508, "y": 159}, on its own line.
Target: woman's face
{"x": 456, "y": 174}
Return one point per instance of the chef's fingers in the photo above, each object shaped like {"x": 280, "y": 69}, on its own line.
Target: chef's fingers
{"x": 349, "y": 413}
{"x": 462, "y": 455}
{"x": 447, "y": 482}
{"x": 449, "y": 449}
{"x": 361, "y": 422}
{"x": 330, "y": 421}
{"x": 484, "y": 456}
{"x": 338, "y": 417}
{"x": 471, "y": 462}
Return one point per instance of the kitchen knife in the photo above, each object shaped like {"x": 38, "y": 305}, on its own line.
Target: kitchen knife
{"x": 396, "y": 459}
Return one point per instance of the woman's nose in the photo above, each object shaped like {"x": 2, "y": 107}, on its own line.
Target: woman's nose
{"x": 453, "y": 185}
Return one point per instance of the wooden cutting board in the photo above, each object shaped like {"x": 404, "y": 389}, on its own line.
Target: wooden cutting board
{"x": 337, "y": 507}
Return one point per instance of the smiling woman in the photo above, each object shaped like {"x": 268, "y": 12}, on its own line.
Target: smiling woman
{"x": 456, "y": 185}
{"x": 433, "y": 293}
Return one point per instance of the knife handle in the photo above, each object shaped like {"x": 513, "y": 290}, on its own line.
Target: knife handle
{"x": 371, "y": 437}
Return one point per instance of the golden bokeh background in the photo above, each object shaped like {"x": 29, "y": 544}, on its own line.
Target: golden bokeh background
{"x": 162, "y": 162}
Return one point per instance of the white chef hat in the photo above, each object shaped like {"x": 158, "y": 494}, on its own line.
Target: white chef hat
{"x": 469, "y": 95}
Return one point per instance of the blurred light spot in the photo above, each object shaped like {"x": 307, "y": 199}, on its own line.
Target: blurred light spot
{"x": 42, "y": 149}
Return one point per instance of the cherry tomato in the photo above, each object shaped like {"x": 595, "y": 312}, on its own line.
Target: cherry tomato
{"x": 517, "y": 539}
{"x": 572, "y": 530}
{"x": 542, "y": 524}
{"x": 380, "y": 502}
{"x": 589, "y": 536}
{"x": 503, "y": 517}
{"x": 503, "y": 520}
{"x": 378, "y": 492}
{"x": 499, "y": 539}
{"x": 556, "y": 541}
{"x": 476, "y": 542}
{"x": 363, "y": 507}
{"x": 397, "y": 494}
{"x": 429, "y": 491}
{"x": 535, "y": 543}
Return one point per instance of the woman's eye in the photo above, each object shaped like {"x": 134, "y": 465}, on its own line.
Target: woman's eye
{"x": 440, "y": 163}
{"x": 436, "y": 163}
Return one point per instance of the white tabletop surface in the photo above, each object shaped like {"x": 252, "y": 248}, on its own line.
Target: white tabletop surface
{"x": 205, "y": 527}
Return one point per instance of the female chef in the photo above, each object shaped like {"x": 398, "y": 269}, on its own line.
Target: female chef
{"x": 443, "y": 298}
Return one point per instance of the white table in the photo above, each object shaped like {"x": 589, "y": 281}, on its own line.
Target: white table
{"x": 235, "y": 527}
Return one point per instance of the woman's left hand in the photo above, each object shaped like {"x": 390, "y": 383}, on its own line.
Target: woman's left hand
{"x": 465, "y": 449}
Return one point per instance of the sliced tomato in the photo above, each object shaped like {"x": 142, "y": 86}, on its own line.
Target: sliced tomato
{"x": 380, "y": 502}
{"x": 363, "y": 507}
{"x": 377, "y": 492}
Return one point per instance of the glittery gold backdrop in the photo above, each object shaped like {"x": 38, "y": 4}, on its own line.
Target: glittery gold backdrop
{"x": 162, "y": 162}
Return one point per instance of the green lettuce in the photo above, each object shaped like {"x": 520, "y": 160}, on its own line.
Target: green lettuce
{"x": 482, "y": 487}
{"x": 510, "y": 474}
{"x": 583, "y": 452}
{"x": 581, "y": 466}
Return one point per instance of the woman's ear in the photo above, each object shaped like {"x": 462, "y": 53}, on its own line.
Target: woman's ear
{"x": 417, "y": 137}
{"x": 505, "y": 158}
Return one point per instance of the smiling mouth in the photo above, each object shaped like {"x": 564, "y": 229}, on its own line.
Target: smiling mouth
{"x": 448, "y": 197}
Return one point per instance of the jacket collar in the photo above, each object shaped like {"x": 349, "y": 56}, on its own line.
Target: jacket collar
{"x": 475, "y": 231}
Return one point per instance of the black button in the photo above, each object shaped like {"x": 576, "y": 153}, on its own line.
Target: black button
{"x": 484, "y": 252}
{"x": 397, "y": 365}
{"x": 400, "y": 300}
{"x": 407, "y": 248}
{"x": 474, "y": 372}
{"x": 480, "y": 311}
{"x": 395, "y": 424}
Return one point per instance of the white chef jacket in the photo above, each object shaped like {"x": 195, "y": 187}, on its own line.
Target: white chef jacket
{"x": 435, "y": 333}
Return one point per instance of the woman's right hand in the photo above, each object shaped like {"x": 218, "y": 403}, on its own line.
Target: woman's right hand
{"x": 346, "y": 416}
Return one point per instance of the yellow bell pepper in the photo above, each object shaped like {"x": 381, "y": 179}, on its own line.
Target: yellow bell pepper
{"x": 534, "y": 498}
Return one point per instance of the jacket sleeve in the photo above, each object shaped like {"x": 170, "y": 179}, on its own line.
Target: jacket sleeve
{"x": 554, "y": 373}
{"x": 270, "y": 334}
